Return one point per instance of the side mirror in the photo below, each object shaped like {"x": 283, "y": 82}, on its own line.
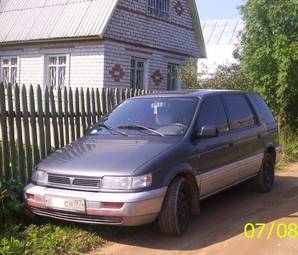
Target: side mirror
{"x": 207, "y": 132}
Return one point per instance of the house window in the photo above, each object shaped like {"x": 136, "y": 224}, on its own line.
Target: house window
{"x": 9, "y": 70}
{"x": 137, "y": 73}
{"x": 172, "y": 77}
{"x": 56, "y": 71}
{"x": 159, "y": 8}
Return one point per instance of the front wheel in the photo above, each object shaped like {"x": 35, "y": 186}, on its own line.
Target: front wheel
{"x": 176, "y": 209}
{"x": 264, "y": 181}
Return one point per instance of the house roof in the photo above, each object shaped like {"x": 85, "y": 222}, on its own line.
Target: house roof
{"x": 36, "y": 20}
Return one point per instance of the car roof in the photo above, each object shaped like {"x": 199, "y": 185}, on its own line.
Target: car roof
{"x": 189, "y": 93}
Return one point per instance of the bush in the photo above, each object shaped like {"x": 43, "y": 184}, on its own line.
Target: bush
{"x": 11, "y": 206}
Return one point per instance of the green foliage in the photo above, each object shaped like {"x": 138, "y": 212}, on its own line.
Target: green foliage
{"x": 228, "y": 77}
{"x": 11, "y": 206}
{"x": 48, "y": 239}
{"x": 188, "y": 73}
{"x": 270, "y": 55}
{"x": 289, "y": 143}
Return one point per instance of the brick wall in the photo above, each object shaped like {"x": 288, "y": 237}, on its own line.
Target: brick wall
{"x": 131, "y": 23}
{"x": 84, "y": 65}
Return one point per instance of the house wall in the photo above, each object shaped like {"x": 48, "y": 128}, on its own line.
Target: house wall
{"x": 131, "y": 23}
{"x": 156, "y": 63}
{"x": 84, "y": 65}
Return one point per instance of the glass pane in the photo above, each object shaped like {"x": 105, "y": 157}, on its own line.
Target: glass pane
{"x": 52, "y": 60}
{"x": 132, "y": 79}
{"x": 5, "y": 75}
{"x": 14, "y": 61}
{"x": 61, "y": 77}
{"x": 140, "y": 64}
{"x": 14, "y": 75}
{"x": 62, "y": 60}
{"x": 52, "y": 77}
{"x": 133, "y": 63}
{"x": 5, "y": 61}
{"x": 139, "y": 82}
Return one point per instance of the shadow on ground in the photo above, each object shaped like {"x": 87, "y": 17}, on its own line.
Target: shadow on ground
{"x": 222, "y": 217}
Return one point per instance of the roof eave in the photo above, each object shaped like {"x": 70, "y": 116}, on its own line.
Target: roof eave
{"x": 198, "y": 28}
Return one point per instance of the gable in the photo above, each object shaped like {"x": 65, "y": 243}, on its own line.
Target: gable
{"x": 31, "y": 20}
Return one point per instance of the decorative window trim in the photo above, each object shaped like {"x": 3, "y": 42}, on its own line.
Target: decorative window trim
{"x": 13, "y": 77}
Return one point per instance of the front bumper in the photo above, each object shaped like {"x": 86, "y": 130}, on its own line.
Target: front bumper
{"x": 138, "y": 208}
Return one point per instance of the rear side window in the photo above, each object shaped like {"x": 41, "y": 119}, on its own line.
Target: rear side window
{"x": 212, "y": 113}
{"x": 263, "y": 108}
{"x": 240, "y": 111}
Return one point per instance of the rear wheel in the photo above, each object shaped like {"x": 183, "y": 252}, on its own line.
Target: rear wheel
{"x": 264, "y": 181}
{"x": 176, "y": 209}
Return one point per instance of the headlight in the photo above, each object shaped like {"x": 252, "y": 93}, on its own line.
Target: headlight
{"x": 126, "y": 182}
{"x": 39, "y": 177}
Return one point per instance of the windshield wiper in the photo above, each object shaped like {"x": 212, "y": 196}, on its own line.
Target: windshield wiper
{"x": 140, "y": 127}
{"x": 110, "y": 129}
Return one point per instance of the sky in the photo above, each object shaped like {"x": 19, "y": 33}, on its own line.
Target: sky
{"x": 219, "y": 9}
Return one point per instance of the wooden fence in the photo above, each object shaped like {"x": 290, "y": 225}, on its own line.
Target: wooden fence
{"x": 35, "y": 122}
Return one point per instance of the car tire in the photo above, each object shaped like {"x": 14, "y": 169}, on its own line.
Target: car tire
{"x": 264, "y": 181}
{"x": 176, "y": 209}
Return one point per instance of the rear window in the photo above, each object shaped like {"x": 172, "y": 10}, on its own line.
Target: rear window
{"x": 240, "y": 111}
{"x": 263, "y": 108}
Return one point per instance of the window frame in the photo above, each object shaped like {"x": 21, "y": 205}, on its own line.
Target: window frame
{"x": 172, "y": 65}
{"x": 203, "y": 100}
{"x": 57, "y": 65}
{"x": 136, "y": 68}
{"x": 153, "y": 8}
{"x": 10, "y": 67}
{"x": 257, "y": 121}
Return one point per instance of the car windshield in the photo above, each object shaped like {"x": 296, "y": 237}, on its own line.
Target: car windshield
{"x": 164, "y": 116}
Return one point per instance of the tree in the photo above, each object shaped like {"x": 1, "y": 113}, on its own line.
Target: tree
{"x": 269, "y": 55}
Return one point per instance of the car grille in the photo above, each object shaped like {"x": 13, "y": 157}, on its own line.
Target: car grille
{"x": 74, "y": 182}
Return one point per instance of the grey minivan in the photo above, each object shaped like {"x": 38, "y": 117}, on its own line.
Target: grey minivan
{"x": 155, "y": 157}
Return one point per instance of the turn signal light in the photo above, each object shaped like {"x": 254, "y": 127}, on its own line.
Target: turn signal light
{"x": 112, "y": 205}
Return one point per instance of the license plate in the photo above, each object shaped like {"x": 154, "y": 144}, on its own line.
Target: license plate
{"x": 65, "y": 203}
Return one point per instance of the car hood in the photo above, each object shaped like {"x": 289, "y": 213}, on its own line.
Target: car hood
{"x": 96, "y": 157}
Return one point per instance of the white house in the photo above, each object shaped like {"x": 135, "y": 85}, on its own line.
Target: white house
{"x": 102, "y": 43}
{"x": 221, "y": 37}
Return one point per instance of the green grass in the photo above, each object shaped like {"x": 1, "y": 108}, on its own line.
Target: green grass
{"x": 19, "y": 234}
{"x": 289, "y": 143}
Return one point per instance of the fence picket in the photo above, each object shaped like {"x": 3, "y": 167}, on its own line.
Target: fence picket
{"x": 33, "y": 127}
{"x": 5, "y": 147}
{"x": 88, "y": 107}
{"x": 77, "y": 114}
{"x": 54, "y": 120}
{"x": 40, "y": 120}
{"x": 71, "y": 115}
{"x": 83, "y": 112}
{"x": 12, "y": 145}
{"x": 28, "y": 153}
{"x": 66, "y": 116}
{"x": 60, "y": 118}
{"x": 47, "y": 121}
{"x": 93, "y": 105}
{"x": 19, "y": 121}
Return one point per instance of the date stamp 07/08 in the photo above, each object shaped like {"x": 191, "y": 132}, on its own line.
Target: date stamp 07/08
{"x": 274, "y": 229}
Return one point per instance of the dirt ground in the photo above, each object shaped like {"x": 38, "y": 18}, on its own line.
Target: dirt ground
{"x": 219, "y": 228}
